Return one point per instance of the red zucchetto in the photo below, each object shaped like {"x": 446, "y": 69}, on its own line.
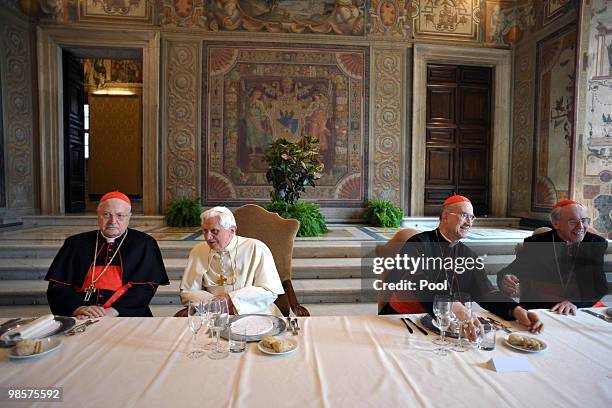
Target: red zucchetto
{"x": 455, "y": 199}
{"x": 563, "y": 203}
{"x": 115, "y": 194}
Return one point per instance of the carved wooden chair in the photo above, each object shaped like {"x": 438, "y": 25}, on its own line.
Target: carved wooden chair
{"x": 279, "y": 235}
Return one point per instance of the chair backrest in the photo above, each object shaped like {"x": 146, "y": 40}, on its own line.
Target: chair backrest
{"x": 277, "y": 233}
{"x": 395, "y": 244}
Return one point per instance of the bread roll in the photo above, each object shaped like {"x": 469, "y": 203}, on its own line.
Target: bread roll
{"x": 28, "y": 347}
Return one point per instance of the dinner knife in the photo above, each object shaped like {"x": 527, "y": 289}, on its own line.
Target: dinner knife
{"x": 602, "y": 317}
{"x": 408, "y": 327}
{"x": 9, "y": 322}
{"x": 422, "y": 330}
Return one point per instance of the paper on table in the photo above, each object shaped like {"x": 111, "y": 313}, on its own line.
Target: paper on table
{"x": 510, "y": 364}
{"x": 253, "y": 325}
{"x": 38, "y": 328}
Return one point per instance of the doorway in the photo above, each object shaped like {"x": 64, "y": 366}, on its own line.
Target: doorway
{"x": 103, "y": 129}
{"x": 458, "y": 134}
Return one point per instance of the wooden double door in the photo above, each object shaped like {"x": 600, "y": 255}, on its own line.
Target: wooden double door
{"x": 458, "y": 131}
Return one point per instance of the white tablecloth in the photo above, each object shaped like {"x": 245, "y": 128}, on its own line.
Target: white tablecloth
{"x": 341, "y": 361}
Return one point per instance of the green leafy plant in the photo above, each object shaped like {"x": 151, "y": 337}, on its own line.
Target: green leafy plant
{"x": 292, "y": 167}
{"x": 383, "y": 213}
{"x": 183, "y": 212}
{"x": 312, "y": 222}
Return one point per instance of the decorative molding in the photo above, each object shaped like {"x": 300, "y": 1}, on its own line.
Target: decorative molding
{"x": 18, "y": 113}
{"x": 181, "y": 119}
{"x": 50, "y": 41}
{"x": 500, "y": 60}
{"x": 386, "y": 161}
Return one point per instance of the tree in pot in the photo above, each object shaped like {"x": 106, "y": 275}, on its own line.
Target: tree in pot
{"x": 291, "y": 168}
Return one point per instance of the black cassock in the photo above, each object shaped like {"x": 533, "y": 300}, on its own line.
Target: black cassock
{"x": 474, "y": 281}
{"x": 137, "y": 269}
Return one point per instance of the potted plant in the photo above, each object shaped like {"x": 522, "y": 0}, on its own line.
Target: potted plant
{"x": 183, "y": 212}
{"x": 291, "y": 168}
{"x": 383, "y": 213}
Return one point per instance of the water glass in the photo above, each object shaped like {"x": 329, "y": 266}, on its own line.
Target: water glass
{"x": 487, "y": 337}
{"x": 462, "y": 302}
{"x": 218, "y": 318}
{"x": 237, "y": 339}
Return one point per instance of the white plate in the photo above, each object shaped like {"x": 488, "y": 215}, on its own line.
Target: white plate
{"x": 267, "y": 350}
{"x": 49, "y": 344}
{"x": 526, "y": 349}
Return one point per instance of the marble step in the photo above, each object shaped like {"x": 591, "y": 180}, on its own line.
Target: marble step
{"x": 33, "y": 292}
{"x": 302, "y": 249}
{"x": 316, "y": 268}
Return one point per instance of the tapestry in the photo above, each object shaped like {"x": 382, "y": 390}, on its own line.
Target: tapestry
{"x": 554, "y": 116}
{"x": 447, "y": 19}
{"x": 256, "y": 94}
{"x": 346, "y": 17}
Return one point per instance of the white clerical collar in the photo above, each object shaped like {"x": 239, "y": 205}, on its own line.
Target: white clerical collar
{"x": 450, "y": 242}
{"x": 231, "y": 245}
{"x": 108, "y": 239}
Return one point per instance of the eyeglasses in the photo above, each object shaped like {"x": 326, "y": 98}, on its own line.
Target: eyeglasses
{"x": 465, "y": 216}
{"x": 118, "y": 216}
{"x": 574, "y": 223}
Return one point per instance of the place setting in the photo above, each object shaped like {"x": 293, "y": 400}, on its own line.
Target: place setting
{"x": 34, "y": 337}
{"x": 238, "y": 330}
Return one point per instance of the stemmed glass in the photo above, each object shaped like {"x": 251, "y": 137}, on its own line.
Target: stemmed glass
{"x": 195, "y": 319}
{"x": 463, "y": 304}
{"x": 218, "y": 319}
{"x": 443, "y": 310}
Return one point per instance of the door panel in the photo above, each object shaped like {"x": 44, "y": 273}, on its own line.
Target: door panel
{"x": 74, "y": 143}
{"x": 457, "y": 135}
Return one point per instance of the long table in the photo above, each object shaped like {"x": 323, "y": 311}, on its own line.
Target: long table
{"x": 341, "y": 361}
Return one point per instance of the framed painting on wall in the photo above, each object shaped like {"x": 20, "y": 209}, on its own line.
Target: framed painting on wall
{"x": 255, "y": 94}
{"x": 113, "y": 11}
{"x": 553, "y": 131}
{"x": 446, "y": 19}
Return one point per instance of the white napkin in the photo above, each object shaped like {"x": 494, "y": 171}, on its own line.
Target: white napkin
{"x": 38, "y": 328}
{"x": 254, "y": 325}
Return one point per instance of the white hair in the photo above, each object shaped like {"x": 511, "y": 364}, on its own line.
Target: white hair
{"x": 555, "y": 214}
{"x": 223, "y": 214}
{"x": 102, "y": 202}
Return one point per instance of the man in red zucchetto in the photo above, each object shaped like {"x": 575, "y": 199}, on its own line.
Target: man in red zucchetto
{"x": 112, "y": 271}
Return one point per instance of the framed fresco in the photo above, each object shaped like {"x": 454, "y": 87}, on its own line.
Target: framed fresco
{"x": 255, "y": 94}
{"x": 344, "y": 17}
{"x": 446, "y": 19}
{"x": 114, "y": 11}
{"x": 554, "y": 102}
{"x": 553, "y": 9}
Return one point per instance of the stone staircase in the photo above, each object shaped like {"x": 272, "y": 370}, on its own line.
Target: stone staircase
{"x": 325, "y": 272}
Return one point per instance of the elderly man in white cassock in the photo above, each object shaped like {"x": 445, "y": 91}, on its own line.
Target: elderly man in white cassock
{"x": 238, "y": 268}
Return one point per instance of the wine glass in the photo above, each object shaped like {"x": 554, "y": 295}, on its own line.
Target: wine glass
{"x": 210, "y": 345}
{"x": 195, "y": 320}
{"x": 462, "y": 302}
{"x": 444, "y": 316}
{"x": 218, "y": 318}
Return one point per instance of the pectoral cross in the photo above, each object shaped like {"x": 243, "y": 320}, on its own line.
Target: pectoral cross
{"x": 221, "y": 280}
{"x": 90, "y": 291}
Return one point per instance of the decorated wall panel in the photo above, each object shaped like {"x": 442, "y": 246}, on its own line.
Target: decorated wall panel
{"x": 116, "y": 11}
{"x": 447, "y": 19}
{"x": 554, "y": 109}
{"x": 180, "y": 119}
{"x": 594, "y": 157}
{"x": 522, "y": 126}
{"x": 554, "y": 9}
{"x": 508, "y": 21}
{"x": 389, "y": 18}
{"x": 256, "y": 94}
{"x": 386, "y": 165}
{"x": 17, "y": 93}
